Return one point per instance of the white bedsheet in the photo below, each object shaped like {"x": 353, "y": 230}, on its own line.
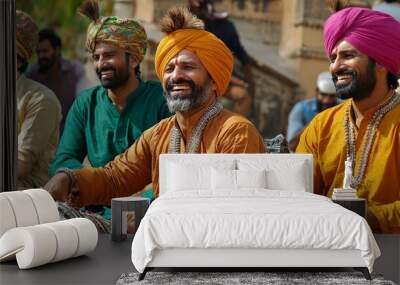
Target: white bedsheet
{"x": 250, "y": 218}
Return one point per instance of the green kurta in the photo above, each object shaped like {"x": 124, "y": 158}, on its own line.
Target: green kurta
{"x": 95, "y": 128}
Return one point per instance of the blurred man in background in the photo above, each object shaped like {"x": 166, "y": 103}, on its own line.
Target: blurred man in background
{"x": 66, "y": 78}
{"x": 38, "y": 113}
{"x": 239, "y": 92}
{"x": 304, "y": 111}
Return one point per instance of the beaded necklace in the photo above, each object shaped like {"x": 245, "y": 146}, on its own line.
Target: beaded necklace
{"x": 372, "y": 128}
{"x": 194, "y": 142}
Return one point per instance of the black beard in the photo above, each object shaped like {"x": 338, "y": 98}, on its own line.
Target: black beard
{"x": 45, "y": 64}
{"x": 359, "y": 88}
{"x": 118, "y": 78}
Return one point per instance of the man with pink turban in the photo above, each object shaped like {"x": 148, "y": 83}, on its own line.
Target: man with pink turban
{"x": 364, "y": 131}
{"x": 194, "y": 67}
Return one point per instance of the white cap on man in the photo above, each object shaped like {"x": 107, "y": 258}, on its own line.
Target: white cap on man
{"x": 325, "y": 83}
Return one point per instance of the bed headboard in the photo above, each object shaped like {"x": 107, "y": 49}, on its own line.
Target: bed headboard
{"x": 272, "y": 160}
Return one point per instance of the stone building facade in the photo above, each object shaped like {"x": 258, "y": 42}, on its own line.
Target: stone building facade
{"x": 283, "y": 38}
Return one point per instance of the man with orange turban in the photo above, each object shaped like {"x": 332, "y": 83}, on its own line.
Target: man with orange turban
{"x": 194, "y": 67}
{"x": 361, "y": 135}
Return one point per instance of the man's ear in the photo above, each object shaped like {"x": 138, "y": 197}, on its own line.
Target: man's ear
{"x": 214, "y": 87}
{"x": 381, "y": 68}
{"x": 381, "y": 71}
{"x": 133, "y": 61}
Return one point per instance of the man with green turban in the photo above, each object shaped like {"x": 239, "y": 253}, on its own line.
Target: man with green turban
{"x": 106, "y": 119}
{"x": 38, "y": 113}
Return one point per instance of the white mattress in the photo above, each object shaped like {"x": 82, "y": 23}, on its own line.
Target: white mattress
{"x": 252, "y": 219}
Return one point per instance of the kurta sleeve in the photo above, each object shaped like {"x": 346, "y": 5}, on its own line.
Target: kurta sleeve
{"x": 43, "y": 115}
{"x": 309, "y": 144}
{"x": 388, "y": 216}
{"x": 72, "y": 148}
{"x": 241, "y": 138}
{"x": 127, "y": 174}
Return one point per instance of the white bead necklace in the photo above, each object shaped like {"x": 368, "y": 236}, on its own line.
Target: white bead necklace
{"x": 194, "y": 142}
{"x": 372, "y": 128}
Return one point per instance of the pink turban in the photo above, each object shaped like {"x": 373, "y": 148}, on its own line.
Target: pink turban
{"x": 373, "y": 33}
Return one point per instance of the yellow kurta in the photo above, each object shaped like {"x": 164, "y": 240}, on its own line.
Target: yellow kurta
{"x": 129, "y": 172}
{"x": 325, "y": 139}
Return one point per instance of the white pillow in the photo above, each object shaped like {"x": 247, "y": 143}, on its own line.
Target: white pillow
{"x": 280, "y": 174}
{"x": 223, "y": 179}
{"x": 182, "y": 177}
{"x": 292, "y": 179}
{"x": 237, "y": 179}
{"x": 251, "y": 178}
{"x": 192, "y": 174}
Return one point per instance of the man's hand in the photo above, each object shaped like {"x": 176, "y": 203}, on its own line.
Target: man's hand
{"x": 59, "y": 187}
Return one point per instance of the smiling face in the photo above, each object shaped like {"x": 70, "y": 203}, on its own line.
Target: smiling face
{"x": 353, "y": 73}
{"x": 113, "y": 66}
{"x": 186, "y": 82}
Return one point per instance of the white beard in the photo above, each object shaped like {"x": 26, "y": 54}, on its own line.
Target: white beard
{"x": 179, "y": 104}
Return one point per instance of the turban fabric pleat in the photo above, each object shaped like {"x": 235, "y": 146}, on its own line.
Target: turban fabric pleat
{"x": 210, "y": 50}
{"x": 373, "y": 33}
{"x": 26, "y": 35}
{"x": 124, "y": 33}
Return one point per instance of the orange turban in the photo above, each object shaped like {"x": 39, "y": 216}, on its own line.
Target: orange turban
{"x": 210, "y": 50}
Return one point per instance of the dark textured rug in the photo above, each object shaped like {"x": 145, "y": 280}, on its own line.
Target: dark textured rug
{"x": 269, "y": 278}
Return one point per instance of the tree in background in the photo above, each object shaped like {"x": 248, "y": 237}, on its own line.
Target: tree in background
{"x": 62, "y": 17}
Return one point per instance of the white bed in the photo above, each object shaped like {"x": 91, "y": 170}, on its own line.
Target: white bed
{"x": 219, "y": 210}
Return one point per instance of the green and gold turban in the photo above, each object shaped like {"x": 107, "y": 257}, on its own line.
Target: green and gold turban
{"x": 123, "y": 33}
{"x": 26, "y": 35}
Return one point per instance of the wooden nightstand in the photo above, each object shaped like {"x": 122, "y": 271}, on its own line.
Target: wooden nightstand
{"x": 357, "y": 205}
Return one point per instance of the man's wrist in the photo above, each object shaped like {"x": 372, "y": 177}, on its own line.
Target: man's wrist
{"x": 73, "y": 189}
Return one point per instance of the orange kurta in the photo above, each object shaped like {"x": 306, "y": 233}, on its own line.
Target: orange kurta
{"x": 325, "y": 139}
{"x": 129, "y": 172}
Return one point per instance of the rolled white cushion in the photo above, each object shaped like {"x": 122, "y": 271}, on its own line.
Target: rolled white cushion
{"x": 66, "y": 238}
{"x": 23, "y": 208}
{"x": 33, "y": 246}
{"x": 7, "y": 218}
{"x": 40, "y": 244}
{"x": 87, "y": 235}
{"x": 46, "y": 208}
